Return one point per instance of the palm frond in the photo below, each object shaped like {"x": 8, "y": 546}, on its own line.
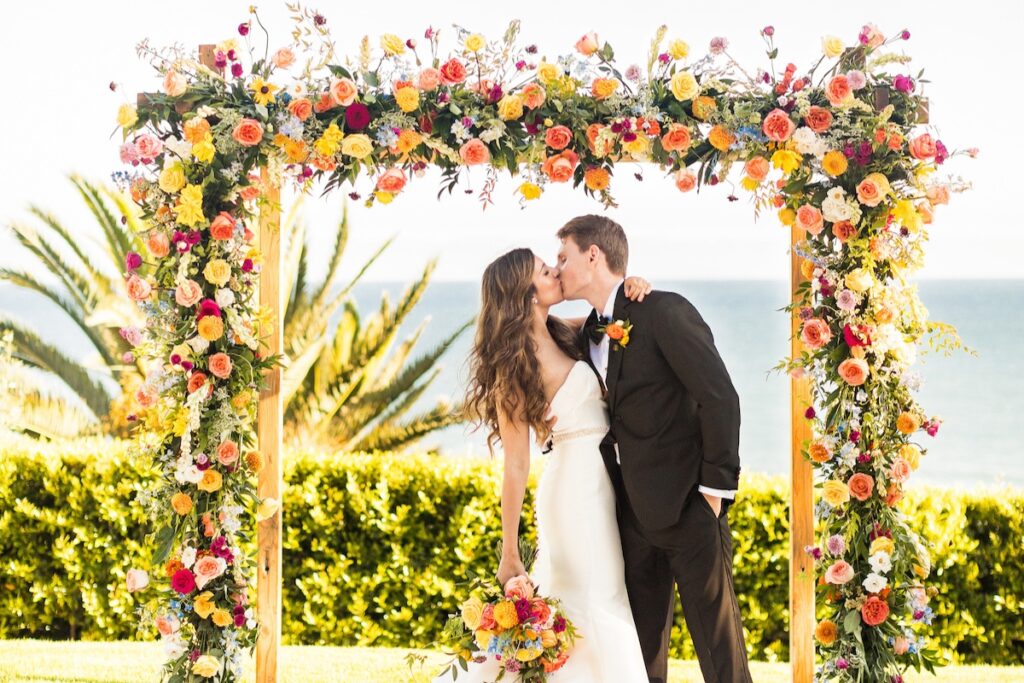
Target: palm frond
{"x": 119, "y": 243}
{"x": 102, "y": 283}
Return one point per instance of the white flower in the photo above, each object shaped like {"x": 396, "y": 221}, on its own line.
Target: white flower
{"x": 835, "y": 208}
{"x": 224, "y": 297}
{"x": 874, "y": 583}
{"x": 188, "y": 556}
{"x": 804, "y": 138}
{"x": 198, "y": 344}
{"x": 173, "y": 649}
{"x": 178, "y": 147}
{"x": 880, "y": 562}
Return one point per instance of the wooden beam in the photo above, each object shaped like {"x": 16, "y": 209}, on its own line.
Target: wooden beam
{"x": 801, "y": 510}
{"x": 268, "y": 537}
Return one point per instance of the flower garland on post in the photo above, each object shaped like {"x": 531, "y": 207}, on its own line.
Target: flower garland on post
{"x": 842, "y": 157}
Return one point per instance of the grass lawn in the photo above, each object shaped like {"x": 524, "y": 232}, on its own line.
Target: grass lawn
{"x": 75, "y": 662}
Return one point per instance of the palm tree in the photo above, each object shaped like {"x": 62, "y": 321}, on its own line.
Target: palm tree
{"x": 350, "y": 390}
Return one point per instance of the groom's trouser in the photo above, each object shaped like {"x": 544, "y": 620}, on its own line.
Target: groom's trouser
{"x": 694, "y": 554}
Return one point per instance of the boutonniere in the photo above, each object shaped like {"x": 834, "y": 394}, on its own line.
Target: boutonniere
{"x": 618, "y": 332}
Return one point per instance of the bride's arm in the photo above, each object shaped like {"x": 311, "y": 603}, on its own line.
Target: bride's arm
{"x": 515, "y": 442}
{"x": 636, "y": 289}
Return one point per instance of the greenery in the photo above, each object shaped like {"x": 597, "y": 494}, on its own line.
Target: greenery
{"x": 374, "y": 546}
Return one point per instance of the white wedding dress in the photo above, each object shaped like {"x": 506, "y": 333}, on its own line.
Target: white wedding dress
{"x": 579, "y": 558}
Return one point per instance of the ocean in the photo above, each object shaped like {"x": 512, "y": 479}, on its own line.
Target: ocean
{"x": 978, "y": 396}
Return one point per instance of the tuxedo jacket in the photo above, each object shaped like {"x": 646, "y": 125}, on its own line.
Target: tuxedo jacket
{"x": 673, "y": 410}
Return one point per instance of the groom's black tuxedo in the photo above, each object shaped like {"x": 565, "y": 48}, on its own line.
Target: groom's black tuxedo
{"x": 675, "y": 417}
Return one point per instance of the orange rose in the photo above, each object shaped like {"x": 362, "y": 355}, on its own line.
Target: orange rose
{"x": 596, "y": 178}
{"x": 875, "y": 611}
{"x": 301, "y": 108}
{"x": 720, "y": 138}
{"x": 922, "y": 147}
{"x": 196, "y": 129}
{"x": 816, "y": 333}
{"x": 558, "y": 137}
{"x": 894, "y": 496}
{"x": 227, "y": 453}
{"x": 159, "y": 245}
{"x": 453, "y": 72}
{"x": 854, "y": 371}
{"x": 778, "y": 126}
{"x": 809, "y": 218}
{"x": 614, "y": 331}
{"x": 181, "y": 503}
{"x": 560, "y": 167}
{"x": 219, "y": 365}
{"x": 861, "y": 486}
{"x": 428, "y": 79}
{"x": 248, "y": 132}
{"x": 757, "y": 168}
{"x": 343, "y": 91}
{"x": 676, "y": 138}
{"x": 324, "y": 103}
{"x": 533, "y": 95}
{"x": 392, "y": 180}
{"x": 196, "y": 381}
{"x": 223, "y": 226}
{"x": 844, "y": 230}
{"x": 685, "y": 180}
{"x": 818, "y": 119}
{"x": 475, "y": 152}
{"x": 838, "y": 90}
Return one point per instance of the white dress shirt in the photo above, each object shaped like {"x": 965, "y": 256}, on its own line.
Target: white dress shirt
{"x": 599, "y": 353}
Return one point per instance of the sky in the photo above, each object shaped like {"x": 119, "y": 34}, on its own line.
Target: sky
{"x": 59, "y": 116}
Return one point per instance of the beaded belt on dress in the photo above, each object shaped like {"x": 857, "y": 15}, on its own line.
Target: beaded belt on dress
{"x": 557, "y": 437}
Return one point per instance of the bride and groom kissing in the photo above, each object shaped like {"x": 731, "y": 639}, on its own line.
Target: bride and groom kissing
{"x": 643, "y": 423}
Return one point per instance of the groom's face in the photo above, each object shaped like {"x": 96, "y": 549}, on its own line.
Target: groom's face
{"x": 575, "y": 269}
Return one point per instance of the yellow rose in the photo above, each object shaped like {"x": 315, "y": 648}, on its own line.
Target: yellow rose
{"x": 912, "y": 454}
{"x": 678, "y": 49}
{"x": 472, "y": 610}
{"x": 505, "y": 614}
{"x": 859, "y": 280}
{"x": 834, "y": 163}
{"x": 528, "y": 654}
{"x": 510, "y": 107}
{"x": 126, "y": 115}
{"x": 483, "y": 638}
{"x": 548, "y": 639}
{"x": 217, "y": 272}
{"x": 547, "y": 72}
{"x": 383, "y": 197}
{"x": 832, "y": 46}
{"x": 222, "y": 618}
{"x": 684, "y": 86}
{"x": 211, "y": 328}
{"x": 882, "y": 544}
{"x": 835, "y": 492}
{"x": 604, "y": 87}
{"x": 206, "y": 666}
{"x": 392, "y": 44}
{"x": 203, "y": 604}
{"x": 212, "y": 479}
{"x": 787, "y": 216}
{"x": 204, "y": 150}
{"x": 475, "y": 42}
{"x": 638, "y": 147}
{"x": 407, "y": 98}
{"x": 358, "y": 146}
{"x": 786, "y": 159}
{"x": 172, "y": 178}
{"x": 530, "y": 191}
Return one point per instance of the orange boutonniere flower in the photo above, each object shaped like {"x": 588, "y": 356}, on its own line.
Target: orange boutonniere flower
{"x": 618, "y": 332}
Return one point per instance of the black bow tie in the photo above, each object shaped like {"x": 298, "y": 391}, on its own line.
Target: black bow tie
{"x": 595, "y": 329}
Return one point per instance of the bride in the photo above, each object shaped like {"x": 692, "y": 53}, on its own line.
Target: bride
{"x": 528, "y": 372}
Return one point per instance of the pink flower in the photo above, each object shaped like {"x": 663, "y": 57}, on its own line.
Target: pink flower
{"x": 718, "y": 45}
{"x": 167, "y": 625}
{"x": 519, "y": 588}
{"x": 846, "y": 300}
{"x": 900, "y": 470}
{"x": 129, "y": 154}
{"x": 839, "y": 573}
{"x": 207, "y": 569}
{"x": 778, "y": 126}
{"x": 188, "y": 293}
{"x": 132, "y": 335}
{"x": 587, "y": 45}
{"x": 148, "y": 147}
{"x": 220, "y": 365}
{"x": 900, "y": 645}
{"x": 138, "y": 289}
{"x": 137, "y": 579}
{"x": 227, "y": 453}
{"x": 183, "y": 582}
{"x": 856, "y": 79}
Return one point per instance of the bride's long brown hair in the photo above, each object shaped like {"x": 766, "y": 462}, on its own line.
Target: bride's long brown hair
{"x": 504, "y": 373}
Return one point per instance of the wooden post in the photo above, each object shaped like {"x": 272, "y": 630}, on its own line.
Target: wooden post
{"x": 801, "y": 510}
{"x": 268, "y": 537}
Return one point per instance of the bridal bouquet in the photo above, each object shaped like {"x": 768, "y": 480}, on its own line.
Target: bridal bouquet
{"x": 524, "y": 631}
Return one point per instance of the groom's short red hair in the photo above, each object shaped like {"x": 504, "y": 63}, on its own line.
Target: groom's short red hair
{"x": 602, "y": 232}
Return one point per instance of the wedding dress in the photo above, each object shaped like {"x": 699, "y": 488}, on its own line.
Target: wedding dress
{"x": 579, "y": 558}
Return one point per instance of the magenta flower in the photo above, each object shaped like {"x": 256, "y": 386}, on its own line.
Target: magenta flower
{"x": 132, "y": 261}
{"x": 207, "y": 307}
{"x": 243, "y": 29}
{"x": 809, "y": 413}
{"x": 236, "y": 70}
{"x": 768, "y": 31}
{"x": 357, "y": 116}
{"x": 719, "y": 45}
{"x": 183, "y": 581}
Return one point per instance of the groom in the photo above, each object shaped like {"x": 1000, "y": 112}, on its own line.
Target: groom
{"x": 672, "y": 452}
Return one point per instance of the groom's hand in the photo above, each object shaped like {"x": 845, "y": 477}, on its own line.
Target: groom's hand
{"x": 715, "y": 502}
{"x": 508, "y": 568}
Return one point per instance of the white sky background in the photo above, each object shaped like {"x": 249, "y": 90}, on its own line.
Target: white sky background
{"x": 58, "y": 113}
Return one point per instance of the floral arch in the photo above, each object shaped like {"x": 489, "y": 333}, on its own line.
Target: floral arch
{"x": 838, "y": 151}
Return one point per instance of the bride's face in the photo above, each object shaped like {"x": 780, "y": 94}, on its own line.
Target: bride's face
{"x": 545, "y": 281}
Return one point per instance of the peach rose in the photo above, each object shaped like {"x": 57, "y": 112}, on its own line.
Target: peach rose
{"x": 428, "y": 79}
{"x": 818, "y": 119}
{"x": 343, "y": 91}
{"x": 587, "y": 45}
{"x": 839, "y": 573}
{"x": 685, "y": 180}
{"x": 560, "y": 167}
{"x": 778, "y": 126}
{"x": 872, "y": 190}
{"x": 227, "y": 453}
{"x": 558, "y": 137}
{"x": 757, "y": 168}
{"x": 137, "y": 579}
{"x": 875, "y": 611}
{"x": 861, "y": 486}
{"x": 816, "y": 333}
{"x": 167, "y": 625}
{"x": 519, "y": 588}
{"x": 854, "y": 371}
{"x": 138, "y": 289}
{"x": 533, "y": 95}
{"x": 196, "y": 381}
{"x": 474, "y": 152}
{"x": 392, "y": 180}
{"x": 174, "y": 83}
{"x": 248, "y": 132}
{"x": 208, "y": 568}
{"x": 159, "y": 245}
{"x": 900, "y": 645}
{"x": 838, "y": 90}
{"x": 453, "y": 72}
{"x": 809, "y": 218}
{"x": 938, "y": 194}
{"x": 223, "y": 226}
{"x": 219, "y": 365}
{"x": 283, "y": 58}
{"x": 900, "y": 470}
{"x": 301, "y": 108}
{"x": 922, "y": 147}
{"x": 676, "y": 138}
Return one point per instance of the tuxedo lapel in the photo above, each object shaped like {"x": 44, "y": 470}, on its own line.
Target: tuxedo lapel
{"x": 614, "y": 352}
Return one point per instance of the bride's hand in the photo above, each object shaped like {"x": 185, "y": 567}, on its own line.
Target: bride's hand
{"x": 637, "y": 288}
{"x": 508, "y": 568}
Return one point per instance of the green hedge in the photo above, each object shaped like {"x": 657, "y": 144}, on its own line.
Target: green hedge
{"x": 375, "y": 544}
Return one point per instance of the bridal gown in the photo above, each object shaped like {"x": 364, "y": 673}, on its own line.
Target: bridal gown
{"x": 579, "y": 558}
